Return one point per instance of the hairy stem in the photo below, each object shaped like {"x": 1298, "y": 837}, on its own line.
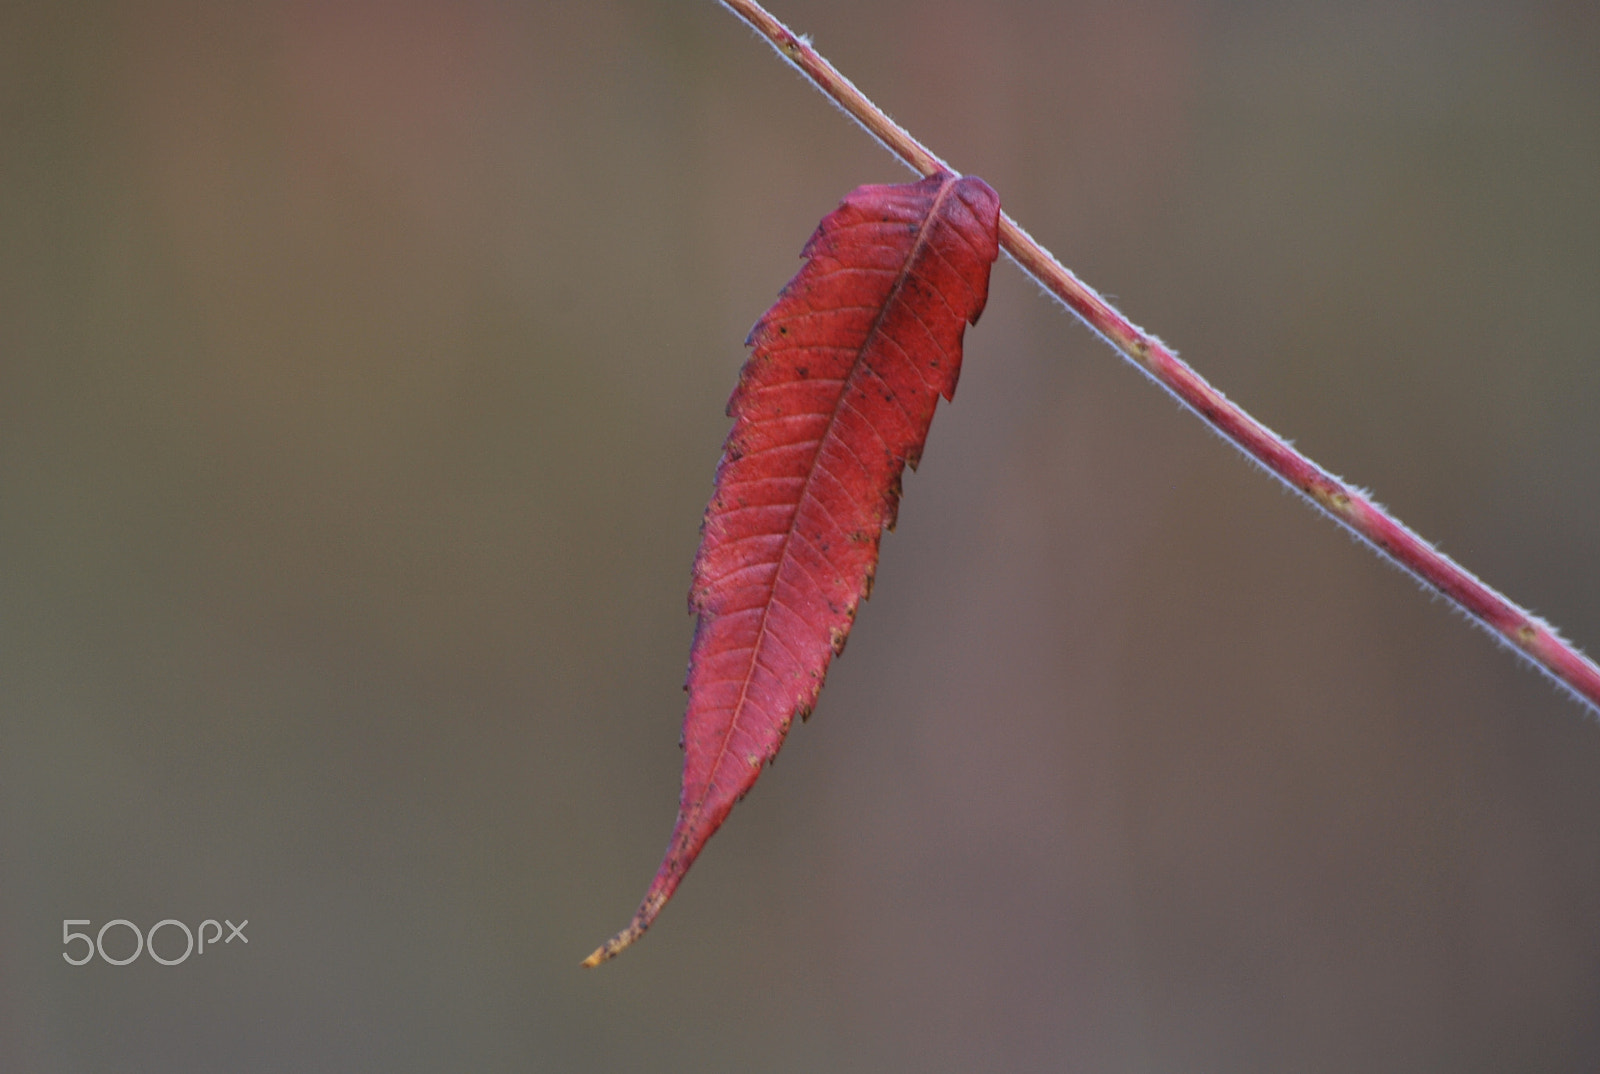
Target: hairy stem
{"x": 1524, "y": 632}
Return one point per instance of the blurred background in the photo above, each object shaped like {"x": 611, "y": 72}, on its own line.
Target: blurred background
{"x": 361, "y": 381}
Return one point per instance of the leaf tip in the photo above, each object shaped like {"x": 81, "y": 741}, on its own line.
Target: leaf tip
{"x": 653, "y": 902}
{"x": 614, "y": 946}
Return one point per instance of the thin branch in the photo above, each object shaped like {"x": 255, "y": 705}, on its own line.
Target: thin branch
{"x": 1525, "y": 633}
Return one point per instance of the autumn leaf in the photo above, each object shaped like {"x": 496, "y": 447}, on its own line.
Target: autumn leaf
{"x": 834, "y": 401}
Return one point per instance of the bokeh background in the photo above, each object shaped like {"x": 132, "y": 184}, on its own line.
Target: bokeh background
{"x": 361, "y": 382}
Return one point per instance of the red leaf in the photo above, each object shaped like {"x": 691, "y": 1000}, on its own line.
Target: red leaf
{"x": 834, "y": 401}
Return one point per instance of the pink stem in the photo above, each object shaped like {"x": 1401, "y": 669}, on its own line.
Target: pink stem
{"x": 1527, "y": 634}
